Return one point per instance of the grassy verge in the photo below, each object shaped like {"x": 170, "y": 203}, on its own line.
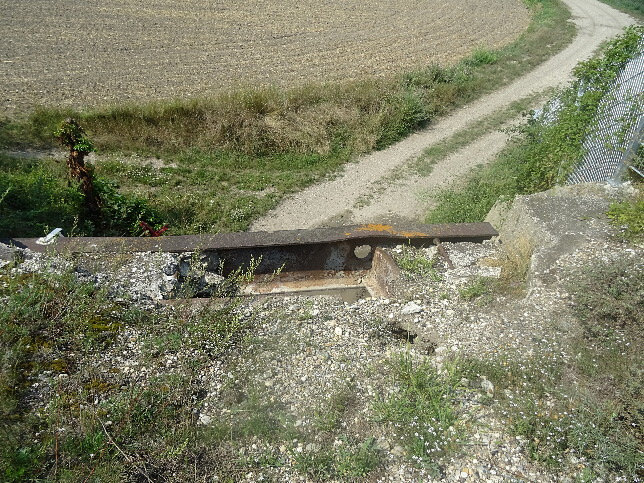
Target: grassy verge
{"x": 233, "y": 157}
{"x": 542, "y": 154}
{"x": 71, "y": 409}
{"x": 631, "y": 7}
{"x": 582, "y": 413}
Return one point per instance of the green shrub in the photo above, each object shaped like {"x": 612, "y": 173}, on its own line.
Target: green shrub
{"x": 483, "y": 56}
{"x": 37, "y": 197}
{"x": 120, "y": 213}
{"x": 405, "y": 113}
{"x": 36, "y": 201}
{"x": 629, "y": 215}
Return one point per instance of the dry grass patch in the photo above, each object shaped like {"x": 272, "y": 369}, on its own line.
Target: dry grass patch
{"x": 515, "y": 260}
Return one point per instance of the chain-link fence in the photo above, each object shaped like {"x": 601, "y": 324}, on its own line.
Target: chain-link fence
{"x": 619, "y": 128}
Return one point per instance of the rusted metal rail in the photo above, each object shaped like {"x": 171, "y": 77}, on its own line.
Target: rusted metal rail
{"x": 337, "y": 258}
{"x": 416, "y": 235}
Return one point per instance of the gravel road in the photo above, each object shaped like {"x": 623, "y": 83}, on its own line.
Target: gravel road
{"x": 337, "y": 201}
{"x": 90, "y": 52}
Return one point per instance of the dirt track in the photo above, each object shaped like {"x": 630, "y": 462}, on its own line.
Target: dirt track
{"x": 337, "y": 201}
{"x": 91, "y": 52}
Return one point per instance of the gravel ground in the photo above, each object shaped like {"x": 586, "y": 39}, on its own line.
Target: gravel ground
{"x": 303, "y": 350}
{"x": 80, "y": 53}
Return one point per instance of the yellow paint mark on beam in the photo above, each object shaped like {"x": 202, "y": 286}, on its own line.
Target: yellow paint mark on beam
{"x": 390, "y": 229}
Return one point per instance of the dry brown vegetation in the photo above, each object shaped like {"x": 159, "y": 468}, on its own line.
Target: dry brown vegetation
{"x": 77, "y": 53}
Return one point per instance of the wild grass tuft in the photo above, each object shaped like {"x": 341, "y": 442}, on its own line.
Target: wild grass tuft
{"x": 514, "y": 260}
{"x": 483, "y": 56}
{"x": 348, "y": 461}
{"x": 479, "y": 288}
{"x": 629, "y": 216}
{"x": 413, "y": 263}
{"x": 333, "y": 410}
{"x": 422, "y": 413}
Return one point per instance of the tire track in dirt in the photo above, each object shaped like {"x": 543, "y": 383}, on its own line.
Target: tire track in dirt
{"x": 411, "y": 197}
{"x": 331, "y": 202}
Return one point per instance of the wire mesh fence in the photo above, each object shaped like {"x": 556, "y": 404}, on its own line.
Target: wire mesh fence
{"x": 619, "y": 128}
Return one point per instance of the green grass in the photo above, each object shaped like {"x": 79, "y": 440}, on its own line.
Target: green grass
{"x": 414, "y": 263}
{"x": 422, "y": 413}
{"x": 479, "y": 288}
{"x": 253, "y": 419}
{"x": 484, "y": 187}
{"x": 238, "y": 154}
{"x": 632, "y": 7}
{"x": 541, "y": 155}
{"x": 218, "y": 191}
{"x": 348, "y": 462}
{"x": 69, "y": 414}
{"x": 629, "y": 216}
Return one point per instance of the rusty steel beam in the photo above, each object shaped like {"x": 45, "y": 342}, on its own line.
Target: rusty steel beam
{"x": 347, "y": 260}
{"x": 370, "y": 234}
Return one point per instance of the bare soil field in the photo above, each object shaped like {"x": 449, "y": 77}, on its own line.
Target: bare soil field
{"x": 88, "y": 53}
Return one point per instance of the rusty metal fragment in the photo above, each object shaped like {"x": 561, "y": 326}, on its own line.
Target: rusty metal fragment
{"x": 374, "y": 234}
{"x": 443, "y": 253}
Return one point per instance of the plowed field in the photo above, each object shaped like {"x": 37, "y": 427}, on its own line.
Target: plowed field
{"x": 91, "y": 52}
